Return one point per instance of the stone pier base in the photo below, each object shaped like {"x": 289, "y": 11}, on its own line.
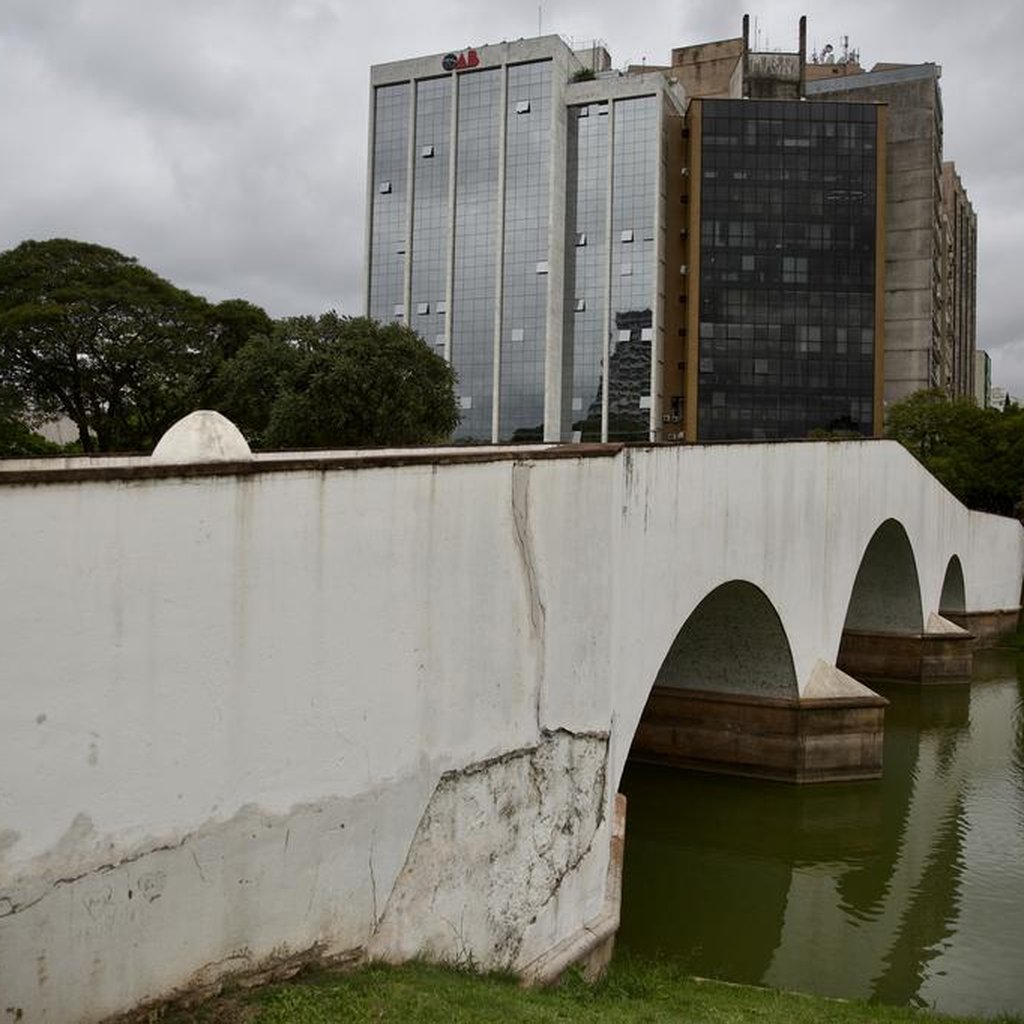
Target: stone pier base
{"x": 942, "y": 654}
{"x": 987, "y": 627}
{"x": 833, "y": 733}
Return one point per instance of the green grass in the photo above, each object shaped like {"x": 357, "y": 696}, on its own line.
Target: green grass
{"x": 634, "y": 991}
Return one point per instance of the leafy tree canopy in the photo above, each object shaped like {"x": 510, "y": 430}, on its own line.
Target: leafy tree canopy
{"x": 331, "y": 381}
{"x": 17, "y": 439}
{"x": 88, "y": 333}
{"x": 977, "y": 453}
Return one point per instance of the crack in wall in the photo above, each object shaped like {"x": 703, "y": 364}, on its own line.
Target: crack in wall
{"x": 527, "y": 559}
{"x": 13, "y": 907}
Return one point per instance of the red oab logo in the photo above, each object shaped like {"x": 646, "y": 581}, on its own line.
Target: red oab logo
{"x": 460, "y": 61}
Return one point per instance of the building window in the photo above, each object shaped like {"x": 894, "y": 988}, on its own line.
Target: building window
{"x": 794, "y": 269}
{"x": 624, "y": 334}
{"x": 466, "y": 402}
{"x": 384, "y": 188}
{"x": 627, "y": 235}
{"x": 581, "y": 305}
{"x": 646, "y": 333}
{"x": 626, "y": 270}
{"x": 441, "y": 306}
{"x": 522, "y": 106}
{"x": 542, "y": 266}
{"x": 399, "y": 310}
{"x": 584, "y": 111}
{"x": 581, "y": 238}
{"x": 518, "y": 333}
{"x": 577, "y": 405}
{"x": 422, "y": 307}
{"x": 427, "y": 151}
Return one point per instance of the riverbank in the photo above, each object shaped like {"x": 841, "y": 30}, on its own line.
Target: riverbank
{"x": 634, "y": 991}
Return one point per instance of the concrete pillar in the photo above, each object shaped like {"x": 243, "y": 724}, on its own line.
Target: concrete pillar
{"x": 943, "y": 653}
{"x": 832, "y": 732}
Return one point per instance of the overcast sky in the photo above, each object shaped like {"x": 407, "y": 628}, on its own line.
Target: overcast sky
{"x": 223, "y": 142}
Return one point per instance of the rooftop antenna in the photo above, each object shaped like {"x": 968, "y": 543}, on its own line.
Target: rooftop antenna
{"x": 540, "y": 13}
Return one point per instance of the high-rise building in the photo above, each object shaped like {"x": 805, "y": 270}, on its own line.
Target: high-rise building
{"x": 693, "y": 251}
{"x": 959, "y": 297}
{"x": 982, "y": 379}
{"x": 519, "y": 221}
{"x": 931, "y": 230}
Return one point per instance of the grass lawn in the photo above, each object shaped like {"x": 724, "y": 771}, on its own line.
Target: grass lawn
{"x": 634, "y": 991}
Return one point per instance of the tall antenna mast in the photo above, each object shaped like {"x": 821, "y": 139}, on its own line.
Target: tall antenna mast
{"x": 540, "y": 10}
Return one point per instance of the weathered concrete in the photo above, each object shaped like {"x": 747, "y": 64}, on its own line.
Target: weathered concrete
{"x": 987, "y": 627}
{"x": 907, "y": 657}
{"x": 509, "y": 831}
{"x": 832, "y": 734}
{"x": 273, "y": 694}
{"x": 202, "y": 436}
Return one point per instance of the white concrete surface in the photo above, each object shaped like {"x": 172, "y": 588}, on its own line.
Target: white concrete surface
{"x": 202, "y": 436}
{"x": 253, "y": 715}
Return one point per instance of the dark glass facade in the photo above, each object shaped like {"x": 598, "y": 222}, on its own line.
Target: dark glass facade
{"x": 787, "y": 268}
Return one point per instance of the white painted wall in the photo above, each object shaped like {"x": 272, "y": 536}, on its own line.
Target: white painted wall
{"x": 230, "y": 701}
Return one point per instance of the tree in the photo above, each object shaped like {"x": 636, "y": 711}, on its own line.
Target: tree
{"x": 977, "y": 453}
{"x": 89, "y": 333}
{"x": 336, "y": 381}
{"x": 17, "y": 439}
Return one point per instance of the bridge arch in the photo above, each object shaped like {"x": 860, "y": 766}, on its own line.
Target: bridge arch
{"x": 724, "y": 695}
{"x": 886, "y": 594}
{"x": 953, "y": 597}
{"x": 732, "y": 642}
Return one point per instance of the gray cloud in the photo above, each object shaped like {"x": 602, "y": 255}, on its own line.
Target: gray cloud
{"x": 223, "y": 142}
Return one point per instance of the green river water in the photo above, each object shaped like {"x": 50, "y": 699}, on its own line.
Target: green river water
{"x": 908, "y": 890}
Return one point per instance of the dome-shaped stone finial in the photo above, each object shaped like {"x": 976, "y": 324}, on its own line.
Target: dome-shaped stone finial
{"x": 202, "y": 436}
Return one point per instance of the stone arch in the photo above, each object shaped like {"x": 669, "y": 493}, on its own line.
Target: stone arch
{"x": 726, "y": 699}
{"x": 732, "y": 642}
{"x": 953, "y": 598}
{"x": 886, "y": 595}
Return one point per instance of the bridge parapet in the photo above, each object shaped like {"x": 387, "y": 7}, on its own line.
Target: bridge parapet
{"x": 245, "y": 701}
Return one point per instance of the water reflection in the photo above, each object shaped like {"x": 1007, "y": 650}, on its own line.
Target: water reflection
{"x": 909, "y": 890}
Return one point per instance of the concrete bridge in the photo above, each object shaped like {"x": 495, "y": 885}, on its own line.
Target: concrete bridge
{"x": 273, "y": 709}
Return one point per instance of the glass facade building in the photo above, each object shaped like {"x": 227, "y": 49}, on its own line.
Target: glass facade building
{"x": 788, "y": 251}
{"x": 516, "y": 222}
{"x": 602, "y": 259}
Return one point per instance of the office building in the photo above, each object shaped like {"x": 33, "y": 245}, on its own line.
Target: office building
{"x": 723, "y": 247}
{"x": 931, "y": 229}
{"x": 959, "y": 281}
{"x": 982, "y": 379}
{"x": 519, "y": 222}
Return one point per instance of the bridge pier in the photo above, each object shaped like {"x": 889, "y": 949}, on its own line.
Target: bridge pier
{"x": 944, "y": 653}
{"x": 831, "y": 733}
{"x": 987, "y": 626}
